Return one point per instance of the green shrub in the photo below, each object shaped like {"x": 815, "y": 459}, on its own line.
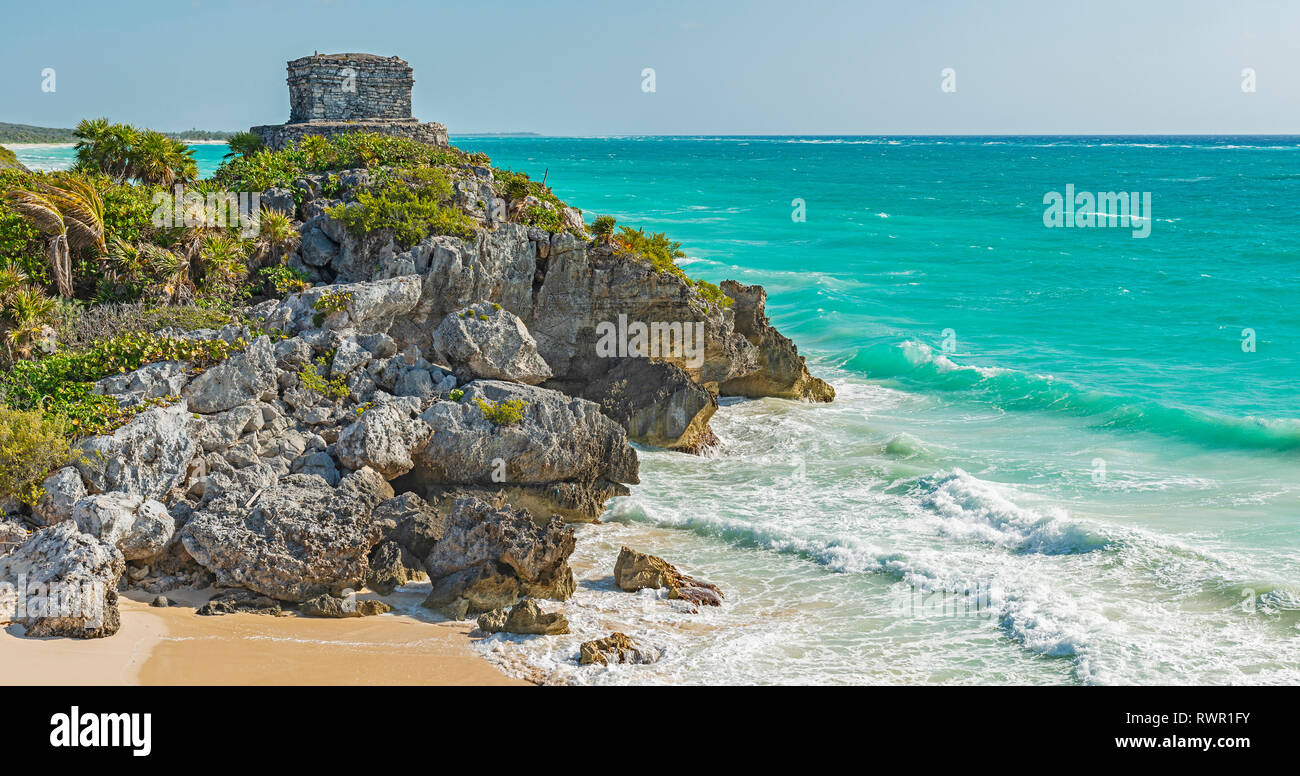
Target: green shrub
{"x": 312, "y": 378}
{"x": 656, "y": 249}
{"x": 412, "y": 212}
{"x": 712, "y": 294}
{"x": 32, "y": 444}
{"x": 603, "y": 228}
{"x": 506, "y": 413}
{"x": 456, "y": 394}
{"x": 285, "y": 280}
{"x": 543, "y": 217}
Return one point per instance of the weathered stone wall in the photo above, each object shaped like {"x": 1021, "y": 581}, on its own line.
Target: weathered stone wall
{"x": 348, "y": 87}
{"x": 333, "y": 94}
{"x": 277, "y": 136}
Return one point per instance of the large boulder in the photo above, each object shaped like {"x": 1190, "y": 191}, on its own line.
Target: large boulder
{"x": 486, "y": 341}
{"x": 139, "y": 527}
{"x": 294, "y": 540}
{"x": 781, "y": 370}
{"x": 12, "y": 534}
{"x": 636, "y": 570}
{"x": 62, "y": 582}
{"x": 383, "y": 438}
{"x": 147, "y": 457}
{"x": 61, "y": 491}
{"x": 239, "y": 379}
{"x": 491, "y": 557}
{"x": 410, "y": 522}
{"x": 562, "y": 455}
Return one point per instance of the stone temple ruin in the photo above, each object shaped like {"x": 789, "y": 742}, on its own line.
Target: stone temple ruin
{"x": 330, "y": 94}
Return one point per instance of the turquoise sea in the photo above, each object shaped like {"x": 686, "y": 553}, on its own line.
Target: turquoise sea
{"x": 1051, "y": 459}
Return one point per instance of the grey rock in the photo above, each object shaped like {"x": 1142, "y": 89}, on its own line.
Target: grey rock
{"x": 383, "y": 438}
{"x": 280, "y": 200}
{"x": 488, "y": 341}
{"x": 63, "y": 489}
{"x": 491, "y": 557}
{"x": 525, "y": 617}
{"x": 153, "y": 381}
{"x": 139, "y": 527}
{"x": 147, "y": 457}
{"x": 237, "y": 380}
{"x": 411, "y": 522}
{"x": 294, "y": 540}
{"x": 82, "y": 570}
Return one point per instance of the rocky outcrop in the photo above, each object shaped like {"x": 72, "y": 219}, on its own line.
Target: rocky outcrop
{"x": 558, "y": 441}
{"x": 485, "y": 341}
{"x": 147, "y": 457}
{"x": 294, "y": 540}
{"x": 526, "y": 618}
{"x": 139, "y": 527}
{"x": 62, "y": 582}
{"x": 391, "y": 566}
{"x": 636, "y": 570}
{"x": 239, "y": 601}
{"x": 491, "y": 557}
{"x": 241, "y": 378}
{"x": 614, "y": 648}
{"x": 12, "y": 534}
{"x": 781, "y": 370}
{"x": 657, "y": 402}
{"x": 62, "y": 490}
{"x": 383, "y": 438}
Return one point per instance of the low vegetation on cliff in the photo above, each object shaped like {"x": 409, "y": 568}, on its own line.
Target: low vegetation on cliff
{"x": 90, "y": 277}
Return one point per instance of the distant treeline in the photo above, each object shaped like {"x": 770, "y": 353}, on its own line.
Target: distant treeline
{"x": 25, "y": 133}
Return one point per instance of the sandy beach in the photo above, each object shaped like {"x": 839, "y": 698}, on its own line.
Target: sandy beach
{"x": 174, "y": 646}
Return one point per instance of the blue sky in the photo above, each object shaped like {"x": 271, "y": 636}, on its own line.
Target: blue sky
{"x": 574, "y": 68}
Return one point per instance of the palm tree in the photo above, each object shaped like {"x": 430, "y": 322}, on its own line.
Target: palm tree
{"x": 104, "y": 147}
{"x": 68, "y": 210}
{"x": 160, "y": 160}
{"x": 25, "y": 312}
{"x": 276, "y": 238}
{"x": 243, "y": 144}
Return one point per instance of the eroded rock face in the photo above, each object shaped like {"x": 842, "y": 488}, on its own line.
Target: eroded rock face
{"x": 62, "y": 582}
{"x": 782, "y": 372}
{"x": 525, "y": 617}
{"x": 63, "y": 489}
{"x": 153, "y": 381}
{"x": 295, "y": 540}
{"x": 383, "y": 438}
{"x": 147, "y": 457}
{"x": 139, "y": 527}
{"x": 491, "y": 557}
{"x": 657, "y": 402}
{"x": 12, "y": 534}
{"x": 636, "y": 570}
{"x": 486, "y": 341}
{"x": 563, "y": 455}
{"x": 614, "y": 648}
{"x": 239, "y": 379}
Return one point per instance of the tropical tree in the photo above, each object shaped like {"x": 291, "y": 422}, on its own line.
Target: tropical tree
{"x": 159, "y": 160}
{"x": 69, "y": 212}
{"x": 243, "y": 144}
{"x": 105, "y": 147}
{"x": 25, "y": 313}
{"x": 275, "y": 239}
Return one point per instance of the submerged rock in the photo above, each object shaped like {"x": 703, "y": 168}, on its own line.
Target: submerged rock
{"x": 525, "y": 617}
{"x": 62, "y": 582}
{"x": 292, "y": 541}
{"x": 614, "y": 648}
{"x": 636, "y": 570}
{"x": 491, "y": 557}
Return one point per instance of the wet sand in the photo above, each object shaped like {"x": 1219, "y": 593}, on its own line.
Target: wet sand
{"x": 174, "y": 646}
